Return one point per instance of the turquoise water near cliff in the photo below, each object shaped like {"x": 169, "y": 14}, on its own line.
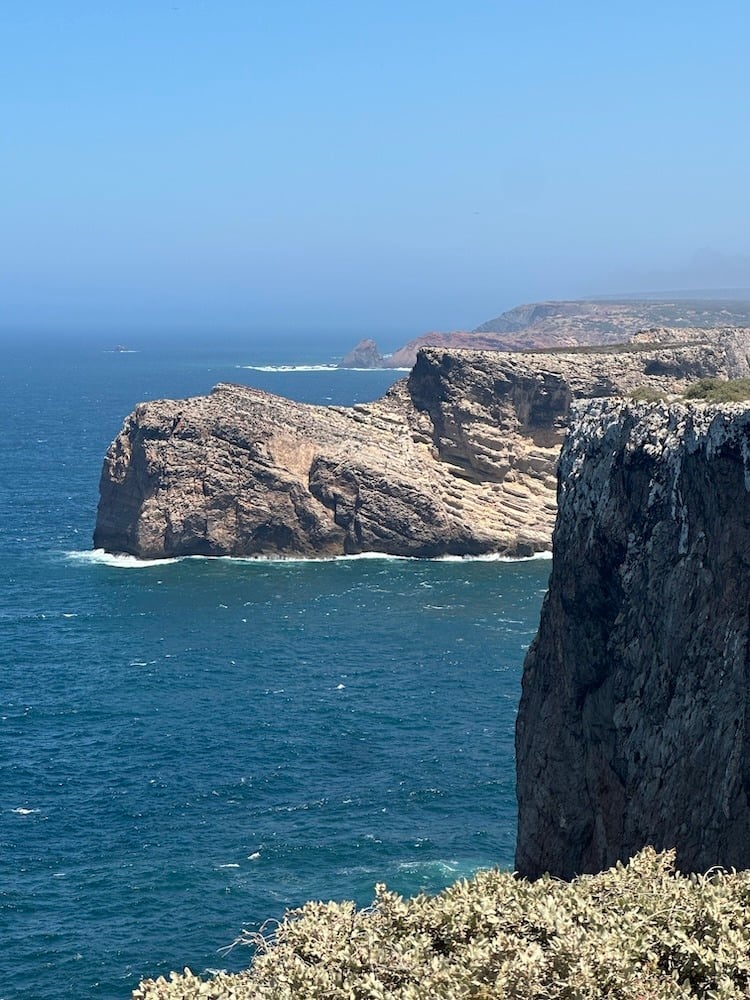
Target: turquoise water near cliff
{"x": 190, "y": 747}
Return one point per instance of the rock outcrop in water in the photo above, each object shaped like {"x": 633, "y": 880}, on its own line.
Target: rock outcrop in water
{"x": 634, "y": 723}
{"x": 365, "y": 354}
{"x": 458, "y": 459}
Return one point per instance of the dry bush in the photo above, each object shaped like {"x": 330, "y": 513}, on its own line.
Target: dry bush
{"x": 639, "y": 931}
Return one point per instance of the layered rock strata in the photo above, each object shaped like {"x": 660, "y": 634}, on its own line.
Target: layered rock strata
{"x": 634, "y": 723}
{"x": 458, "y": 459}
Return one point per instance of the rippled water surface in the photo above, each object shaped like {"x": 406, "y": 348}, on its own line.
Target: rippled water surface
{"x": 190, "y": 747}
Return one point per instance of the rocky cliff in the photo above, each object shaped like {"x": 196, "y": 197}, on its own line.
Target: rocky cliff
{"x": 458, "y": 459}
{"x": 634, "y": 723}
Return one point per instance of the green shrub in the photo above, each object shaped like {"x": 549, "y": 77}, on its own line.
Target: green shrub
{"x": 639, "y": 931}
{"x": 647, "y": 394}
{"x": 714, "y": 390}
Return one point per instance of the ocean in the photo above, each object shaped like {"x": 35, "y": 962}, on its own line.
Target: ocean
{"x": 190, "y": 747}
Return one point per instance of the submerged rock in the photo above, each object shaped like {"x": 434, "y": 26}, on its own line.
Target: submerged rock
{"x": 457, "y": 459}
{"x": 633, "y": 726}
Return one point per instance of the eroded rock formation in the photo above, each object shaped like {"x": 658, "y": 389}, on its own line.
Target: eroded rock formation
{"x": 634, "y": 723}
{"x": 458, "y": 459}
{"x": 365, "y": 354}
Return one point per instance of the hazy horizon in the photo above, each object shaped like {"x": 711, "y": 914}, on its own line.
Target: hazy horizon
{"x": 365, "y": 170}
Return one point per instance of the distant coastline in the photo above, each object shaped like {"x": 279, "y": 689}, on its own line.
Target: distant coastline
{"x": 578, "y": 322}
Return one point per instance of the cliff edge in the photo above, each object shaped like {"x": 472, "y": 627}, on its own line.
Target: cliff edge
{"x": 633, "y": 726}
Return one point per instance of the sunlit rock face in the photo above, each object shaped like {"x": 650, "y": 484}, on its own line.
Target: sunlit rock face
{"x": 459, "y": 458}
{"x": 633, "y": 723}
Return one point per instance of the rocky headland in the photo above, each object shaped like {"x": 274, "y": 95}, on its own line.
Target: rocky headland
{"x": 458, "y": 459}
{"x": 634, "y": 722}
{"x": 582, "y": 322}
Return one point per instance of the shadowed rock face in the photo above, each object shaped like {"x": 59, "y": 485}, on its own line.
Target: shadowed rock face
{"x": 633, "y": 726}
{"x": 458, "y": 459}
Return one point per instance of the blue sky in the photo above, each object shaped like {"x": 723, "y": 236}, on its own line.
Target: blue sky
{"x": 375, "y": 167}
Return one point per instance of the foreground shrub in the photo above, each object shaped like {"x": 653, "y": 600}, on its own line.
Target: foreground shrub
{"x": 639, "y": 931}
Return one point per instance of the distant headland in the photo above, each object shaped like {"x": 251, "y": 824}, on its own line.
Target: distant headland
{"x": 575, "y": 323}
{"x": 459, "y": 459}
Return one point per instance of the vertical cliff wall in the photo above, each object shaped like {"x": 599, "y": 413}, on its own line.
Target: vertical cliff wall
{"x": 633, "y": 723}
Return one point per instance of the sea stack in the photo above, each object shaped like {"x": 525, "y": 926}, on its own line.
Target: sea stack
{"x": 633, "y": 727}
{"x": 364, "y": 355}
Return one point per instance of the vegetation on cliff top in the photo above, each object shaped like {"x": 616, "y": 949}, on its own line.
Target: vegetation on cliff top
{"x": 704, "y": 390}
{"x": 633, "y": 932}
{"x": 714, "y": 390}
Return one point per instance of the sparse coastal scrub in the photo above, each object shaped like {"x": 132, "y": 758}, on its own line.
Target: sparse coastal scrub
{"x": 715, "y": 390}
{"x": 636, "y": 931}
{"x": 648, "y": 394}
{"x": 703, "y": 390}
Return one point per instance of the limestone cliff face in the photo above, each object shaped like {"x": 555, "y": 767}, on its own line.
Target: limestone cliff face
{"x": 458, "y": 459}
{"x": 634, "y": 723}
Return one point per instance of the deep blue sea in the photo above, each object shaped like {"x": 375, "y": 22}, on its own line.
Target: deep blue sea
{"x": 190, "y": 747}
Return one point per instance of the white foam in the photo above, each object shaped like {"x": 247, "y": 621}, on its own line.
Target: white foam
{"x": 425, "y": 867}
{"x": 316, "y": 368}
{"x": 384, "y": 557}
{"x": 496, "y": 557}
{"x": 119, "y": 560}
{"x": 386, "y": 368}
{"x": 20, "y": 811}
{"x": 290, "y": 368}
{"x": 228, "y": 866}
{"x": 291, "y": 560}
{"x": 124, "y": 561}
